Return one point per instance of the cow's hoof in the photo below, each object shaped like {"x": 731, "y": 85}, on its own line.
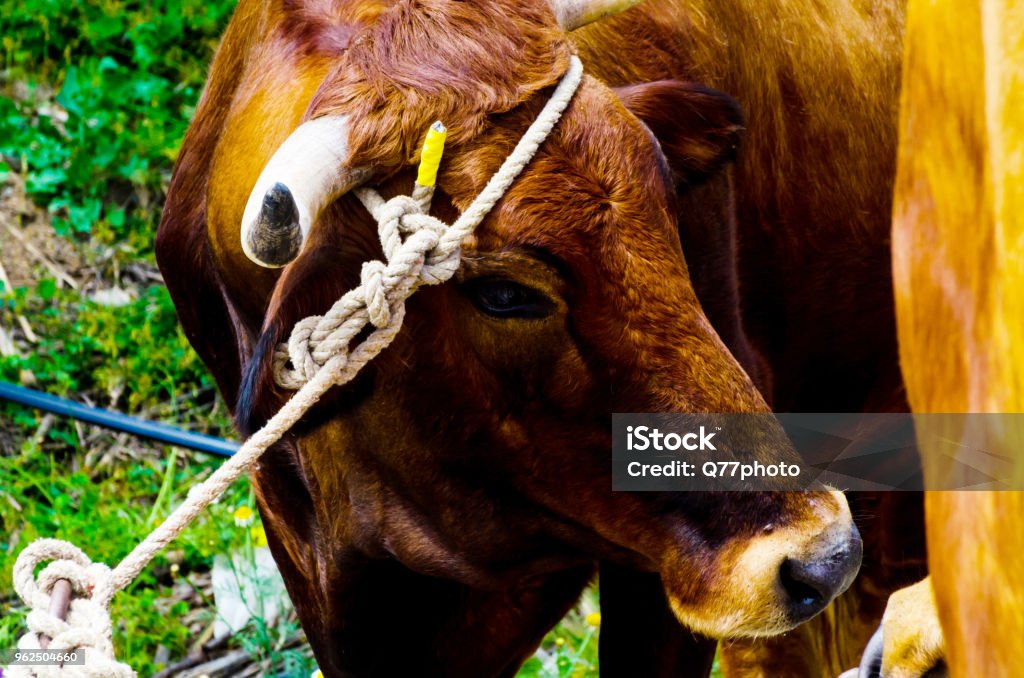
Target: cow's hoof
{"x": 909, "y": 643}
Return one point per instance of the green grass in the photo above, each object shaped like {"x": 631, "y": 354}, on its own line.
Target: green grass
{"x": 97, "y": 96}
{"x": 105, "y": 513}
{"x": 134, "y": 355}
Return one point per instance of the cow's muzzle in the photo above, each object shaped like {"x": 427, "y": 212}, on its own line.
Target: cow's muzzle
{"x": 765, "y": 584}
{"x": 812, "y": 582}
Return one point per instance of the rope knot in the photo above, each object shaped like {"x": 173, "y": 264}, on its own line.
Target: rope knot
{"x": 87, "y": 626}
{"x": 415, "y": 252}
{"x": 375, "y": 293}
{"x": 393, "y": 219}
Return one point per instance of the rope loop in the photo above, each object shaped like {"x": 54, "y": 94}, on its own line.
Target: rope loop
{"x": 66, "y": 560}
{"x": 375, "y": 297}
{"x": 87, "y": 627}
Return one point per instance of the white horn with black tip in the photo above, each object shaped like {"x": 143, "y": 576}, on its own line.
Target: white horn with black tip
{"x": 304, "y": 175}
{"x": 573, "y": 14}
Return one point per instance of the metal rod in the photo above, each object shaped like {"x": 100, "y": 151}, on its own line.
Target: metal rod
{"x": 60, "y": 601}
{"x": 117, "y": 421}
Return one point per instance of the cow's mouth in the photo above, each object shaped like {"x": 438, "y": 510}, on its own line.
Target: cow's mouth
{"x": 771, "y": 583}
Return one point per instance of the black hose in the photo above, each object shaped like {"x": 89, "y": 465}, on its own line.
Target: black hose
{"x": 117, "y": 421}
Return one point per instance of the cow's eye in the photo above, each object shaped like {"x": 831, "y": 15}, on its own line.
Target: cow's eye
{"x": 507, "y": 299}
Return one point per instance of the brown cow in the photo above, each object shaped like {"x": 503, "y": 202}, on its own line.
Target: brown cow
{"x": 457, "y": 494}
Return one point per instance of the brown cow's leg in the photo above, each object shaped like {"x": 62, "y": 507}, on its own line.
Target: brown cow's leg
{"x": 389, "y": 621}
{"x": 639, "y": 634}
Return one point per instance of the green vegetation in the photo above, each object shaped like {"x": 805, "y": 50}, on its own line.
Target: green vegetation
{"x": 98, "y": 98}
{"x": 95, "y": 98}
{"x": 134, "y": 354}
{"x": 570, "y": 649}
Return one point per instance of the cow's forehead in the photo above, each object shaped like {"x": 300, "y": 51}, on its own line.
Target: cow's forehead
{"x": 599, "y": 177}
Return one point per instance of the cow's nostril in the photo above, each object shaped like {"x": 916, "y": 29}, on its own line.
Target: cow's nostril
{"x": 807, "y": 586}
{"x": 811, "y": 583}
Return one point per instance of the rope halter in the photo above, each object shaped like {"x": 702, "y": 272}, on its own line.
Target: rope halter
{"x": 420, "y": 250}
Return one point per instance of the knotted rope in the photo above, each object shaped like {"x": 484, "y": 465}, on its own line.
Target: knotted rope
{"x": 420, "y": 250}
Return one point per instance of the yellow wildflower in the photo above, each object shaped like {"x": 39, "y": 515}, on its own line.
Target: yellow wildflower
{"x": 259, "y": 536}
{"x": 243, "y": 516}
{"x": 594, "y": 619}
{"x": 317, "y": 674}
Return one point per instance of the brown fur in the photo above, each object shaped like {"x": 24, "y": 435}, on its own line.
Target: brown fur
{"x": 365, "y": 515}
{"x": 957, "y": 250}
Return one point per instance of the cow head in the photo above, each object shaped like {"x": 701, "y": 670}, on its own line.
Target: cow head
{"x": 477, "y": 446}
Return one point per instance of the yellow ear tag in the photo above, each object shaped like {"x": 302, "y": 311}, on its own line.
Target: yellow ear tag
{"x": 430, "y": 158}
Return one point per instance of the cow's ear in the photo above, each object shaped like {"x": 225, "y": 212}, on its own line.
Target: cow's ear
{"x": 206, "y": 316}
{"x": 699, "y": 128}
{"x": 186, "y": 262}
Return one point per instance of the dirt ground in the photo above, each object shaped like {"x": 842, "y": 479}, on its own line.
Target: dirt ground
{"x": 29, "y": 249}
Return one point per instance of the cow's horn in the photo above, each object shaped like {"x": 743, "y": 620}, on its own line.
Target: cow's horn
{"x": 575, "y": 13}
{"x": 305, "y": 174}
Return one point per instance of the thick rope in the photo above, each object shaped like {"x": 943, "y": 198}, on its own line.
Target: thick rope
{"x": 419, "y": 250}
{"x": 429, "y": 255}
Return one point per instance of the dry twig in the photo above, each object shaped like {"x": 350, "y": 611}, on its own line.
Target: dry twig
{"x": 55, "y": 270}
